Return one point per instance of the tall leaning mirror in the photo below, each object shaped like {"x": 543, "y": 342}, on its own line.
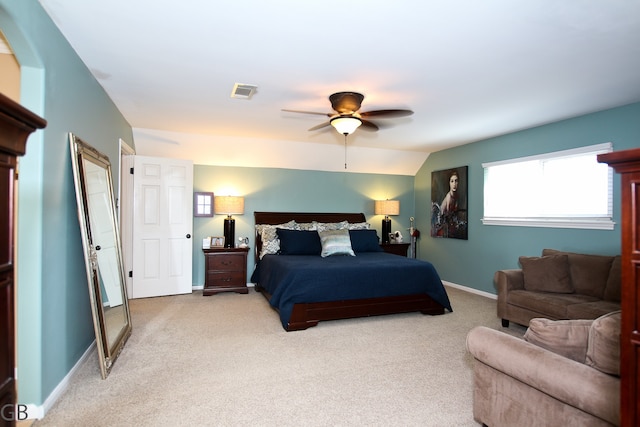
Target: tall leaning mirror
{"x": 102, "y": 250}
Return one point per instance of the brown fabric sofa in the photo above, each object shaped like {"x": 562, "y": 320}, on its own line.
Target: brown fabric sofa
{"x": 561, "y": 374}
{"x": 559, "y": 285}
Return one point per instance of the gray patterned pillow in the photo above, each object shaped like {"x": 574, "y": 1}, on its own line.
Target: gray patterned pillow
{"x": 323, "y": 226}
{"x": 358, "y": 226}
{"x": 308, "y": 226}
{"x": 335, "y": 242}
{"x": 269, "y": 237}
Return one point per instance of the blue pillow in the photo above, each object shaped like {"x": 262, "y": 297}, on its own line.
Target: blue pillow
{"x": 365, "y": 241}
{"x": 299, "y": 242}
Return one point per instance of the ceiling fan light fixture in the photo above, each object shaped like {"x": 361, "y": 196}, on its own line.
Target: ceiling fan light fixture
{"x": 346, "y": 125}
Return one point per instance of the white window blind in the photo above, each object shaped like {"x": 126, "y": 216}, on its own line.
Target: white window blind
{"x": 567, "y": 189}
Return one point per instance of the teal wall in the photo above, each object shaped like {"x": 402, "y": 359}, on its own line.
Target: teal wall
{"x": 54, "y": 319}
{"x": 289, "y": 190}
{"x": 53, "y": 310}
{"x": 473, "y": 262}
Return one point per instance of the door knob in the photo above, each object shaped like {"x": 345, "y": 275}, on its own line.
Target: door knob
{"x": 188, "y": 236}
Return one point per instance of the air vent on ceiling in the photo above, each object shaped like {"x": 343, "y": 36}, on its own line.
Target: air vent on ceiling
{"x": 243, "y": 91}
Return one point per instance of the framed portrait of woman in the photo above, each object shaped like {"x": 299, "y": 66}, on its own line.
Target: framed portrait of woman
{"x": 449, "y": 200}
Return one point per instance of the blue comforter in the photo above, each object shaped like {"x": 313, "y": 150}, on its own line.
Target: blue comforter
{"x": 292, "y": 279}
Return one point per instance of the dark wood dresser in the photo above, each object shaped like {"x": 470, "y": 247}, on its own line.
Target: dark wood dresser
{"x": 16, "y": 124}
{"x": 225, "y": 270}
{"x": 627, "y": 164}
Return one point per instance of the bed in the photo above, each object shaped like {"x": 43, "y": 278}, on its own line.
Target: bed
{"x": 306, "y": 288}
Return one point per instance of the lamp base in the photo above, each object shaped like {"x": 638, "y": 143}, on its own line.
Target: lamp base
{"x": 386, "y": 230}
{"x": 229, "y": 232}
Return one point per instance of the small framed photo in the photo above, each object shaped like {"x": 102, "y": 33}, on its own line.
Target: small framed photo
{"x": 217, "y": 242}
{"x": 206, "y": 243}
{"x": 202, "y": 204}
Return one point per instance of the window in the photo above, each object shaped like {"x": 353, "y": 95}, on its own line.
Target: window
{"x": 565, "y": 189}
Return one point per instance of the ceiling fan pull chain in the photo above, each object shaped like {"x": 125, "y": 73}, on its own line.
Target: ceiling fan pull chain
{"x": 345, "y": 151}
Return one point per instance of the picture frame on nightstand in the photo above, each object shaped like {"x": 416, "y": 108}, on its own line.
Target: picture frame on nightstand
{"x": 217, "y": 242}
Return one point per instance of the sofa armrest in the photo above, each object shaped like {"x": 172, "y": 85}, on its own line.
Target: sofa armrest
{"x": 506, "y": 281}
{"x": 566, "y": 380}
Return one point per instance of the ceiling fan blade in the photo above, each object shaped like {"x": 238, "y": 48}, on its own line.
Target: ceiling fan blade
{"x": 368, "y": 126}
{"x": 386, "y": 113}
{"x": 320, "y": 126}
{"x": 308, "y": 112}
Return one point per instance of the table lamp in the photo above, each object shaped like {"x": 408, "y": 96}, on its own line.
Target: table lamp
{"x": 229, "y": 205}
{"x": 386, "y": 208}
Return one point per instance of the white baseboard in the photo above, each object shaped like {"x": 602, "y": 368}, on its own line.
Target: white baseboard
{"x": 470, "y": 290}
{"x": 39, "y": 411}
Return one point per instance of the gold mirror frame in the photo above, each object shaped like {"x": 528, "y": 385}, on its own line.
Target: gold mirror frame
{"x": 102, "y": 251}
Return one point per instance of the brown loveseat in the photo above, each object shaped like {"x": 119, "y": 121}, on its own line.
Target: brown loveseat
{"x": 559, "y": 285}
{"x": 563, "y": 373}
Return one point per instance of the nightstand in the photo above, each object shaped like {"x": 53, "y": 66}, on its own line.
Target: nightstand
{"x": 225, "y": 270}
{"x": 395, "y": 248}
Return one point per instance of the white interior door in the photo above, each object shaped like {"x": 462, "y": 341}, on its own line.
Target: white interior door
{"x": 162, "y": 226}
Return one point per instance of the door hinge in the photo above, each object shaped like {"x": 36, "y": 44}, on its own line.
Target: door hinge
{"x": 131, "y": 171}
{"x": 131, "y": 274}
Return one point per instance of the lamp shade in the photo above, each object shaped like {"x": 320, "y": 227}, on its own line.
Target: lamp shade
{"x": 346, "y": 125}
{"x": 228, "y": 205}
{"x": 387, "y": 207}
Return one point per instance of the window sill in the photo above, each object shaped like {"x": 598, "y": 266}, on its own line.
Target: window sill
{"x": 591, "y": 224}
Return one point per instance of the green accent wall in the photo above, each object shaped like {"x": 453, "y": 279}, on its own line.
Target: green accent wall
{"x": 489, "y": 248}
{"x": 53, "y": 311}
{"x": 290, "y": 190}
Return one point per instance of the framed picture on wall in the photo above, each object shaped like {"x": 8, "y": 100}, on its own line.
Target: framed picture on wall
{"x": 449, "y": 200}
{"x": 202, "y": 204}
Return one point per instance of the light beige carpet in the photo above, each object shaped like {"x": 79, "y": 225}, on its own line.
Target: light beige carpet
{"x": 225, "y": 360}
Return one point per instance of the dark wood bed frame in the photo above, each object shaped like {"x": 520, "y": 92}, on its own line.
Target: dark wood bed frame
{"x": 305, "y": 315}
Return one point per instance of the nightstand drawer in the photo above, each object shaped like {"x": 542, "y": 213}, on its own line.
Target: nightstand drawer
{"x": 225, "y": 279}
{"x": 226, "y": 262}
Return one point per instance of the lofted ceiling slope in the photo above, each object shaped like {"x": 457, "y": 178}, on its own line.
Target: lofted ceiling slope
{"x": 468, "y": 69}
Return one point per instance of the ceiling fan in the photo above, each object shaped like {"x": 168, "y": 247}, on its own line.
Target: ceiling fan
{"x": 346, "y": 117}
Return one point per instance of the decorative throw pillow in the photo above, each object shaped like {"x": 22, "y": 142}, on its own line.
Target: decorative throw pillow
{"x": 547, "y": 274}
{"x": 269, "y": 238}
{"x": 365, "y": 241}
{"x": 335, "y": 242}
{"x": 308, "y": 226}
{"x": 603, "y": 350}
{"x": 323, "y": 226}
{"x": 568, "y": 338}
{"x": 299, "y": 242}
{"x": 358, "y": 226}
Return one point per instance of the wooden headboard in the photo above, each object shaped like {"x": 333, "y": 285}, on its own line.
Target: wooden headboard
{"x": 274, "y": 218}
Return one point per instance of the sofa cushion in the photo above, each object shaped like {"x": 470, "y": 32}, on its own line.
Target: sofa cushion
{"x": 589, "y": 273}
{"x": 546, "y": 303}
{"x": 591, "y": 310}
{"x": 603, "y": 349}
{"x": 613, "y": 289}
{"x": 547, "y": 273}
{"x": 567, "y": 338}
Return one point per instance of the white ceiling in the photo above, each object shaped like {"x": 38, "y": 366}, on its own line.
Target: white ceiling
{"x": 468, "y": 69}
